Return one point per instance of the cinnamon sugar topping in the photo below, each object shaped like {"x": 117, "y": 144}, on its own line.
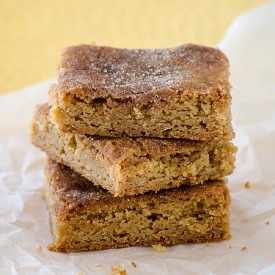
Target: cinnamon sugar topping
{"x": 103, "y": 72}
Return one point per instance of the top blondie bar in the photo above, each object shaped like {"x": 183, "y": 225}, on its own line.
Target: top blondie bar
{"x": 180, "y": 92}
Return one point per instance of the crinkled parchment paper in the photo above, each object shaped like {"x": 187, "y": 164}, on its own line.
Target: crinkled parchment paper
{"x": 24, "y": 227}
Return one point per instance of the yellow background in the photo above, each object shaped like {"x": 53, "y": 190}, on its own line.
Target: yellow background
{"x": 33, "y": 32}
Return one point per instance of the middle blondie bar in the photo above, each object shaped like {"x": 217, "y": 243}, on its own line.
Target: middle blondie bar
{"x": 128, "y": 166}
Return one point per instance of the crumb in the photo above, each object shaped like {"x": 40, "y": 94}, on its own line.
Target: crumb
{"x": 267, "y": 223}
{"x": 42, "y": 195}
{"x": 247, "y": 185}
{"x": 159, "y": 247}
{"x": 133, "y": 264}
{"x": 79, "y": 273}
{"x": 243, "y": 248}
{"x": 118, "y": 270}
{"x": 207, "y": 244}
{"x": 223, "y": 262}
{"x": 99, "y": 265}
{"x": 230, "y": 246}
{"x": 39, "y": 248}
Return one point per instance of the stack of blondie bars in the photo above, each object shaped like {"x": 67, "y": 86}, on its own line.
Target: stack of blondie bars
{"x": 139, "y": 145}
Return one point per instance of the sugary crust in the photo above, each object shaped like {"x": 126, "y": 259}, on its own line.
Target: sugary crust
{"x": 92, "y": 72}
{"x": 86, "y": 217}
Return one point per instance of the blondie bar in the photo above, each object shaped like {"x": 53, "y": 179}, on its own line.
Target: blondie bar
{"x": 86, "y": 217}
{"x": 128, "y": 166}
{"x": 180, "y": 92}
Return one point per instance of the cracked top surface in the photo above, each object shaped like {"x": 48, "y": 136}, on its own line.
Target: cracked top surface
{"x": 90, "y": 71}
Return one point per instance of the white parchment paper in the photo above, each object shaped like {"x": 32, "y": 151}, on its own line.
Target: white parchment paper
{"x": 24, "y": 227}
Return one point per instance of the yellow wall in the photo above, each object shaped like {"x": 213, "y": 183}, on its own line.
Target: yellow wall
{"x": 33, "y": 32}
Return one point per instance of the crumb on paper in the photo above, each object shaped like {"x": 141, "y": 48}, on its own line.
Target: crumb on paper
{"x": 267, "y": 223}
{"x": 42, "y": 194}
{"x": 51, "y": 247}
{"x": 133, "y": 264}
{"x": 230, "y": 246}
{"x": 39, "y": 248}
{"x": 247, "y": 185}
{"x": 118, "y": 270}
{"x": 159, "y": 247}
{"x": 207, "y": 244}
{"x": 99, "y": 265}
{"x": 243, "y": 248}
{"x": 79, "y": 273}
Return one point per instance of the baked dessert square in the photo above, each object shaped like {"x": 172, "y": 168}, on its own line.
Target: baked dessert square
{"x": 180, "y": 92}
{"x": 84, "y": 216}
{"x": 128, "y": 166}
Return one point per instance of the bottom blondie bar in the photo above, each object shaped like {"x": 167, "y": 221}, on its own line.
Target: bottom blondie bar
{"x": 87, "y": 217}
